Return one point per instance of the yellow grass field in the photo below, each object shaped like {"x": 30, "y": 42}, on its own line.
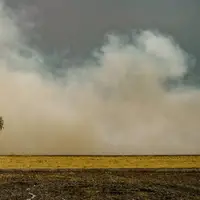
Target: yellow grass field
{"x": 63, "y": 162}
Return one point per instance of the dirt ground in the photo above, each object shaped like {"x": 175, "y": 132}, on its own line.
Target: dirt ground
{"x": 99, "y": 185}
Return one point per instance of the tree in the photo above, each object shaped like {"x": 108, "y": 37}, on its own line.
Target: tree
{"x": 1, "y": 123}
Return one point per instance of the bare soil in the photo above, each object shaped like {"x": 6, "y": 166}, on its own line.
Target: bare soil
{"x": 100, "y": 184}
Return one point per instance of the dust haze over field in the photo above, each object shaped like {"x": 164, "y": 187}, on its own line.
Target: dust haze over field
{"x": 120, "y": 102}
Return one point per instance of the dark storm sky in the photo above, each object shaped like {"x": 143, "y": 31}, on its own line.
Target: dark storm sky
{"x": 82, "y": 24}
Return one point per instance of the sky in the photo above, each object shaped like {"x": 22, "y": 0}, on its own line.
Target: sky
{"x": 82, "y": 24}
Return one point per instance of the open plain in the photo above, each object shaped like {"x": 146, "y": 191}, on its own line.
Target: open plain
{"x": 63, "y": 162}
{"x": 99, "y": 177}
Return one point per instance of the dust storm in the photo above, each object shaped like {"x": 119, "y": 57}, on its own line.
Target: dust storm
{"x": 120, "y": 102}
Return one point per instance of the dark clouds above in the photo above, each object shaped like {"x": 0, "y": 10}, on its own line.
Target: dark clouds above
{"x": 82, "y": 24}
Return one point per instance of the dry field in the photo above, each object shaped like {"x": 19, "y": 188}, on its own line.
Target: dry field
{"x": 99, "y": 184}
{"x": 63, "y": 162}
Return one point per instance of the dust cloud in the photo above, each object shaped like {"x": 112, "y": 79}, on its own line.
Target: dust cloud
{"x": 129, "y": 99}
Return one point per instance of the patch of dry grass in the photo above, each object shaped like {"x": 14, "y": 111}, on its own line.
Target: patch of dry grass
{"x": 53, "y": 162}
